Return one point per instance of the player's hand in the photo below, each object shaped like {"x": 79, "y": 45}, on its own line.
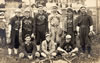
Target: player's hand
{"x": 92, "y": 33}
{"x": 8, "y": 40}
{"x": 20, "y": 30}
{"x": 78, "y": 33}
{"x": 65, "y": 53}
{"x": 21, "y": 55}
{"x": 33, "y": 35}
{"x": 69, "y": 53}
{"x": 30, "y": 57}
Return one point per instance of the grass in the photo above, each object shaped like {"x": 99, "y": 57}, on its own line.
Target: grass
{"x": 4, "y": 58}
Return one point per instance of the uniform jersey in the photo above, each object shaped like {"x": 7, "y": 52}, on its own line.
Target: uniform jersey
{"x": 28, "y": 24}
{"x": 54, "y": 20}
{"x": 68, "y": 47}
{"x": 30, "y": 47}
{"x": 15, "y": 23}
{"x": 41, "y": 19}
{"x": 85, "y": 20}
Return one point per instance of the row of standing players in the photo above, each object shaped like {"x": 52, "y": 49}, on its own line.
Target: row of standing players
{"x": 50, "y": 35}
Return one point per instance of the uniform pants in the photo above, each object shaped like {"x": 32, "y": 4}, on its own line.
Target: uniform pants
{"x": 14, "y": 39}
{"x": 40, "y": 35}
{"x": 56, "y": 33}
{"x": 85, "y": 40}
{"x": 3, "y": 37}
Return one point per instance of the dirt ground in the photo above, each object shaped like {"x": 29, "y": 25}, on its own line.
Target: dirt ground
{"x": 5, "y": 58}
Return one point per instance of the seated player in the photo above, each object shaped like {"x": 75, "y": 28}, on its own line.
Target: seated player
{"x": 29, "y": 49}
{"x": 48, "y": 47}
{"x": 67, "y": 49}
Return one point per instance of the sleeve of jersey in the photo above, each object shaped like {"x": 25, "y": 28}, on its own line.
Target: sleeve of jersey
{"x": 34, "y": 25}
{"x": 46, "y": 23}
{"x": 49, "y": 21}
{"x": 77, "y": 21}
{"x": 11, "y": 21}
{"x": 34, "y": 48}
{"x": 90, "y": 21}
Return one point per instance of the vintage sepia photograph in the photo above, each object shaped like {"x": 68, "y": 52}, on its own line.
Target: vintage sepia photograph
{"x": 49, "y": 31}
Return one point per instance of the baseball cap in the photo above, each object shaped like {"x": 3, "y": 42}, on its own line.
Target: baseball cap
{"x": 47, "y": 35}
{"x": 68, "y": 36}
{"x": 18, "y": 10}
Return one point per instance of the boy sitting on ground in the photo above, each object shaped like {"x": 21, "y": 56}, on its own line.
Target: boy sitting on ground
{"x": 48, "y": 47}
{"x": 67, "y": 49}
{"x": 29, "y": 49}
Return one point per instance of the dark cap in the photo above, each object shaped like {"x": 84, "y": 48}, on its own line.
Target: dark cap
{"x": 27, "y": 35}
{"x": 82, "y": 7}
{"x": 69, "y": 10}
{"x": 54, "y": 7}
{"x": 63, "y": 9}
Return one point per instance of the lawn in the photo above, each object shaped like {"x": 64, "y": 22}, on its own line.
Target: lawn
{"x": 5, "y": 58}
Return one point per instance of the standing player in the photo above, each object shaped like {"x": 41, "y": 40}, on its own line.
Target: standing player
{"x": 54, "y": 25}
{"x": 14, "y": 26}
{"x": 70, "y": 24}
{"x": 84, "y": 28}
{"x": 41, "y": 26}
{"x": 28, "y": 25}
{"x": 3, "y": 26}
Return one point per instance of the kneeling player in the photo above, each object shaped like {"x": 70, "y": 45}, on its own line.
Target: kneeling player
{"x": 67, "y": 49}
{"x": 29, "y": 49}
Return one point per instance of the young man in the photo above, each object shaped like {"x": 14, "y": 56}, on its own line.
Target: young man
{"x": 67, "y": 48}
{"x": 48, "y": 47}
{"x": 28, "y": 25}
{"x": 14, "y": 25}
{"x": 3, "y": 26}
{"x": 71, "y": 24}
{"x": 54, "y": 25}
{"x": 84, "y": 27}
{"x": 41, "y": 25}
{"x": 29, "y": 49}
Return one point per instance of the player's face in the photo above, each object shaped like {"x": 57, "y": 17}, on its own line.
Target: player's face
{"x": 27, "y": 14}
{"x": 54, "y": 10}
{"x": 68, "y": 40}
{"x": 69, "y": 13}
{"x": 64, "y": 12}
{"x": 83, "y": 10}
{"x": 48, "y": 38}
{"x": 41, "y": 10}
{"x": 28, "y": 38}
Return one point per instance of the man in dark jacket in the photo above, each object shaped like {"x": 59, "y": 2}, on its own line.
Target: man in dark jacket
{"x": 41, "y": 26}
{"x": 15, "y": 26}
{"x": 28, "y": 49}
{"x": 84, "y": 28}
{"x": 28, "y": 25}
